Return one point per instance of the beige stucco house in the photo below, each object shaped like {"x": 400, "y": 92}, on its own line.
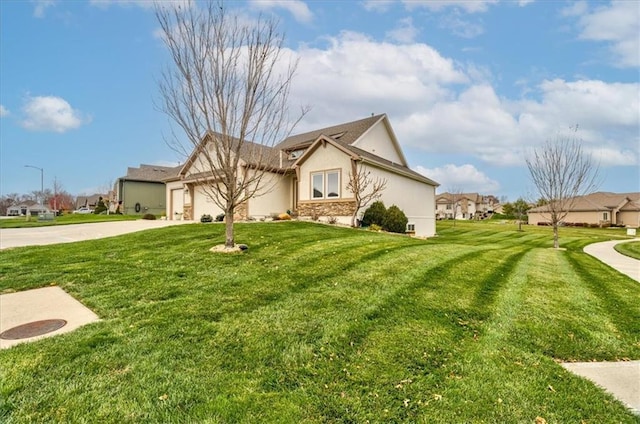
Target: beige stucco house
{"x": 464, "y": 205}
{"x": 599, "y": 208}
{"x": 309, "y": 174}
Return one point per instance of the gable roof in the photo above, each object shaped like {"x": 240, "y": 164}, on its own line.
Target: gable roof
{"x": 600, "y": 201}
{"x": 362, "y": 155}
{"x": 448, "y": 197}
{"x": 252, "y": 154}
{"x": 151, "y": 173}
{"x": 343, "y": 136}
{"x": 346, "y": 133}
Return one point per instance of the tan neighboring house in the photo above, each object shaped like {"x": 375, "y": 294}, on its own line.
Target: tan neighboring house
{"x": 464, "y": 205}
{"x": 601, "y": 208}
{"x": 309, "y": 173}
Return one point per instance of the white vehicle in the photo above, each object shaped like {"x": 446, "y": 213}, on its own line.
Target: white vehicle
{"x": 83, "y": 209}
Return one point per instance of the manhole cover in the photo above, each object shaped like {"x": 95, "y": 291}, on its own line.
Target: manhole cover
{"x": 32, "y": 329}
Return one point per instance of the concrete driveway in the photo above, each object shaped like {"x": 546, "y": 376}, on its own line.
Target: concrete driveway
{"x": 37, "y": 236}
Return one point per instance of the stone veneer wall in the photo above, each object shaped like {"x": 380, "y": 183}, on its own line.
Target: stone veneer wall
{"x": 240, "y": 213}
{"x": 327, "y": 208}
{"x": 187, "y": 212}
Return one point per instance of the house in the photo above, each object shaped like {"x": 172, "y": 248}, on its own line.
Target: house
{"x": 601, "y": 208}
{"x": 89, "y": 201}
{"x": 142, "y": 190}
{"x": 28, "y": 207}
{"x": 466, "y": 205}
{"x": 309, "y": 175}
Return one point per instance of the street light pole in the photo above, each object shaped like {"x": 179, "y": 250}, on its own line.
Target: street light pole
{"x": 41, "y": 182}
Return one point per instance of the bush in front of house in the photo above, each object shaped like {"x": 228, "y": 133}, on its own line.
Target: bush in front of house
{"x": 395, "y": 221}
{"x": 374, "y": 214}
{"x": 149, "y": 216}
{"x": 100, "y": 207}
{"x": 375, "y": 227}
{"x": 206, "y": 218}
{"x": 220, "y": 217}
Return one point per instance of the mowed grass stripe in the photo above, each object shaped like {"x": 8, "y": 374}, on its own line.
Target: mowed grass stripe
{"x": 313, "y": 324}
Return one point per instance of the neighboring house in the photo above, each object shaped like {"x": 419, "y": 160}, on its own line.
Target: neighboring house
{"x": 89, "y": 201}
{"x": 309, "y": 174}
{"x": 599, "y": 208}
{"x": 25, "y": 208}
{"x": 464, "y": 205}
{"x": 142, "y": 190}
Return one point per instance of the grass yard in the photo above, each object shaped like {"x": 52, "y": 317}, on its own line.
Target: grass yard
{"x": 23, "y": 222}
{"x": 631, "y": 249}
{"x": 324, "y": 324}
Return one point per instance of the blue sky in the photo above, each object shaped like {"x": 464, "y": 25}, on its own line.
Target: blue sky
{"x": 469, "y": 86}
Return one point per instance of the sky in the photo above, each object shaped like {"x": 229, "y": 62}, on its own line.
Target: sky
{"x": 470, "y": 87}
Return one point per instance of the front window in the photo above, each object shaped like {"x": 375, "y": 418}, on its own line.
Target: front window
{"x": 317, "y": 186}
{"x": 605, "y": 216}
{"x": 325, "y": 185}
{"x": 333, "y": 184}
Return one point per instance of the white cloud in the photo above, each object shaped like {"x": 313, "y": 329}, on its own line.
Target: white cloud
{"x": 469, "y": 6}
{"x": 41, "y": 7}
{"x": 4, "y": 111}
{"x": 297, "y": 8}
{"x": 612, "y": 156}
{"x": 464, "y": 177}
{"x": 145, "y": 4}
{"x": 577, "y": 8}
{"x": 436, "y": 106}
{"x": 473, "y": 6}
{"x": 377, "y": 5}
{"x": 617, "y": 24}
{"x": 405, "y": 32}
{"x": 461, "y": 27}
{"x": 355, "y": 73}
{"x": 49, "y": 113}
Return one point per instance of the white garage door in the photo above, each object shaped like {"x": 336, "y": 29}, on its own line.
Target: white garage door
{"x": 177, "y": 203}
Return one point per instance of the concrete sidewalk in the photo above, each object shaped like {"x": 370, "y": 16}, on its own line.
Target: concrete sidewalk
{"x": 622, "y": 379}
{"x": 38, "y": 236}
{"x": 605, "y": 252}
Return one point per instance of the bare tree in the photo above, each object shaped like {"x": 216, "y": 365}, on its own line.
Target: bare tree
{"x": 455, "y": 195}
{"x": 364, "y": 187}
{"x": 228, "y": 92}
{"x": 561, "y": 172}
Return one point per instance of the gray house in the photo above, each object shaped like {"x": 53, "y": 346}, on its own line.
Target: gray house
{"x": 28, "y": 207}
{"x": 142, "y": 190}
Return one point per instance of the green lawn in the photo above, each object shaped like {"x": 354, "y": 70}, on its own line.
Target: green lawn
{"x": 323, "y": 324}
{"x": 23, "y": 222}
{"x": 631, "y": 249}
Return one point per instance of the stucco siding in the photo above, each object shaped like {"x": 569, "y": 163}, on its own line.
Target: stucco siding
{"x": 629, "y": 218}
{"x": 416, "y": 199}
{"x": 378, "y": 142}
{"x": 203, "y": 205}
{"x": 325, "y": 158}
{"x": 586, "y": 217}
{"x": 276, "y": 196}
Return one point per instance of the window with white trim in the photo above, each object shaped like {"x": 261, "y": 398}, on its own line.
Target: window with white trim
{"x": 605, "y": 216}
{"x": 325, "y": 185}
{"x": 411, "y": 228}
